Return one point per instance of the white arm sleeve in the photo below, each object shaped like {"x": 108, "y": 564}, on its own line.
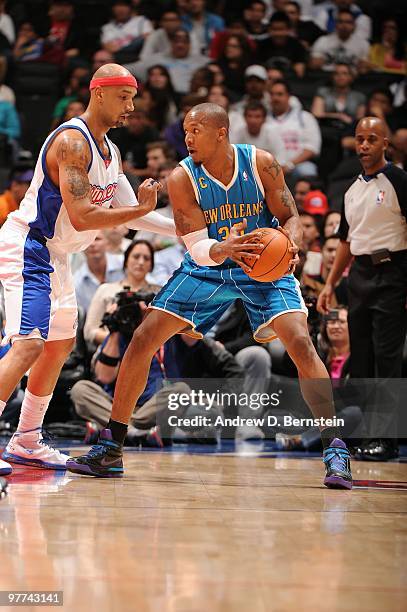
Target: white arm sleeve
{"x": 152, "y": 221}
{"x": 199, "y": 244}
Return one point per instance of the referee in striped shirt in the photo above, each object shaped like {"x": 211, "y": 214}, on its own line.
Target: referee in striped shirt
{"x": 373, "y": 230}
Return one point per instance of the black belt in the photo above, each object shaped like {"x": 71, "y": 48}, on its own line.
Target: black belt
{"x": 395, "y": 256}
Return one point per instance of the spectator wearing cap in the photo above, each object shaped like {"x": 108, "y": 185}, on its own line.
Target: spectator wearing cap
{"x": 255, "y": 84}
{"x": 10, "y": 200}
{"x": 326, "y": 17}
{"x": 202, "y": 24}
{"x": 299, "y": 131}
{"x": 179, "y": 61}
{"x": 125, "y": 32}
{"x": 343, "y": 46}
{"x": 285, "y": 50}
{"x": 315, "y": 203}
{"x": 258, "y": 132}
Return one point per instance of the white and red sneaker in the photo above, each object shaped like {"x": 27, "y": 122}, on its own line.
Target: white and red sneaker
{"x": 5, "y": 468}
{"x": 29, "y": 448}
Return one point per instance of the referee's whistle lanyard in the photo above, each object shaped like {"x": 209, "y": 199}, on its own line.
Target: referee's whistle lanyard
{"x": 160, "y": 358}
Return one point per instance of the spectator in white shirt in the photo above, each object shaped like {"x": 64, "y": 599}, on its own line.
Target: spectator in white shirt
{"x": 343, "y": 46}
{"x": 299, "y": 131}
{"x": 326, "y": 15}
{"x": 258, "y": 132}
{"x": 125, "y": 32}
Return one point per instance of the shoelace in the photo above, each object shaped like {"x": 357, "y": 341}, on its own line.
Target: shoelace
{"x": 96, "y": 450}
{"x": 339, "y": 456}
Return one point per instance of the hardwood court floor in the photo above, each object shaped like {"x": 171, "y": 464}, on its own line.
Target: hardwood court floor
{"x": 218, "y": 533}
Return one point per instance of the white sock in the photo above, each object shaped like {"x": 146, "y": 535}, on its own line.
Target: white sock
{"x": 33, "y": 410}
{"x": 2, "y": 406}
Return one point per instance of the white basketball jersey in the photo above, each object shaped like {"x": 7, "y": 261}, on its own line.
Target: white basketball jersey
{"x": 42, "y": 209}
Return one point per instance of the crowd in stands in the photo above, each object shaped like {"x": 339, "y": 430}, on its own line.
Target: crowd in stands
{"x": 294, "y": 76}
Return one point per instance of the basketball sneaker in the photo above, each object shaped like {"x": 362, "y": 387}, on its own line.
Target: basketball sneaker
{"x": 337, "y": 465}
{"x": 5, "y": 468}
{"x": 104, "y": 460}
{"x": 29, "y": 448}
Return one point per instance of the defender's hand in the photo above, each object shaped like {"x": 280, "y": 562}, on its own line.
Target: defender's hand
{"x": 147, "y": 195}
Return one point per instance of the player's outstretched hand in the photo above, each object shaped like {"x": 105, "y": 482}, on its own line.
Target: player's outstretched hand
{"x": 324, "y": 299}
{"x": 294, "y": 249}
{"x": 240, "y": 248}
{"x": 147, "y": 195}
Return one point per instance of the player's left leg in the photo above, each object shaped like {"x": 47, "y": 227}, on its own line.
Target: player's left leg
{"x": 27, "y": 446}
{"x": 291, "y": 328}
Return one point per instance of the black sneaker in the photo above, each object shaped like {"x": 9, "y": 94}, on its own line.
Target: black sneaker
{"x": 377, "y": 450}
{"x": 104, "y": 460}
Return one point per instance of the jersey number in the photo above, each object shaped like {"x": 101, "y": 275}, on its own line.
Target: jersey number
{"x": 224, "y": 231}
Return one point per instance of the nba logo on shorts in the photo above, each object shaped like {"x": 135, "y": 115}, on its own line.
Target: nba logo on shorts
{"x": 380, "y": 197}
{"x": 245, "y": 177}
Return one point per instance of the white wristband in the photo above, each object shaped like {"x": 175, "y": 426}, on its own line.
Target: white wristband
{"x": 199, "y": 245}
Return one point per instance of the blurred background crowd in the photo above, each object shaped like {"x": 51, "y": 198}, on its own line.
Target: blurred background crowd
{"x": 294, "y": 76}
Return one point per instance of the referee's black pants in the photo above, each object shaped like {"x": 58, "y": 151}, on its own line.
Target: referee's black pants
{"x": 377, "y": 322}
{"x": 377, "y": 316}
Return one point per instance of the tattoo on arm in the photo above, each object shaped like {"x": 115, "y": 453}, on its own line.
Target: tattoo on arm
{"x": 73, "y": 156}
{"x": 78, "y": 182}
{"x": 181, "y": 223}
{"x": 73, "y": 150}
{"x": 288, "y": 200}
{"x": 273, "y": 169}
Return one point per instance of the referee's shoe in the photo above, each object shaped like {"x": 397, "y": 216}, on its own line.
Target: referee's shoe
{"x": 337, "y": 465}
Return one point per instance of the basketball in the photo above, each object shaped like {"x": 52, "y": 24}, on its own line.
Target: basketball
{"x": 274, "y": 259}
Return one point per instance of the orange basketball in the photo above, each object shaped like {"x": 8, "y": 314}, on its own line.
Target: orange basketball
{"x": 274, "y": 259}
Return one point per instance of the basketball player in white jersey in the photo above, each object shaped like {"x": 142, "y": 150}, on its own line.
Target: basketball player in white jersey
{"x": 78, "y": 188}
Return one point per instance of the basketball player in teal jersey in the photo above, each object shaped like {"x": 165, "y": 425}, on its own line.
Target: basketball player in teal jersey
{"x": 219, "y": 192}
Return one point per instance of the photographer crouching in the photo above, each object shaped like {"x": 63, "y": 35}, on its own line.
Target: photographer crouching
{"x": 93, "y": 399}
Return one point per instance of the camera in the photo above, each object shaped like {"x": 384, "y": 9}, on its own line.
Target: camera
{"x": 333, "y": 315}
{"x": 128, "y": 315}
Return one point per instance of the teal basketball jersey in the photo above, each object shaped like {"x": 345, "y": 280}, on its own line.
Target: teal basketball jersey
{"x": 225, "y": 205}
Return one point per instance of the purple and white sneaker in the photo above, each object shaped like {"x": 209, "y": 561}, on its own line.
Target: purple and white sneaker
{"x": 104, "y": 460}
{"x": 337, "y": 465}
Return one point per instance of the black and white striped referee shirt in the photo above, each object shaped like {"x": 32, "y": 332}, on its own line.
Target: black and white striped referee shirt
{"x": 374, "y": 212}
